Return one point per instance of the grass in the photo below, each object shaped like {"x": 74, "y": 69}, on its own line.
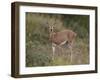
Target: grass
{"x": 39, "y": 48}
{"x": 41, "y": 55}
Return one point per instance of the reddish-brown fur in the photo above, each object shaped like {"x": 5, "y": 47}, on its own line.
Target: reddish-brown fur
{"x": 65, "y": 35}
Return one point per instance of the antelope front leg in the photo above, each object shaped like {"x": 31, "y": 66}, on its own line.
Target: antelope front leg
{"x": 53, "y": 54}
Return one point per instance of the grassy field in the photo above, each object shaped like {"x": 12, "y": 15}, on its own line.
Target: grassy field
{"x": 39, "y": 48}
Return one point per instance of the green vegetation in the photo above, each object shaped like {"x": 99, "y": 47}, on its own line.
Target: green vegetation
{"x": 39, "y": 48}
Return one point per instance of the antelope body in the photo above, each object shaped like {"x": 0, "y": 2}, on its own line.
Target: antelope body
{"x": 60, "y": 38}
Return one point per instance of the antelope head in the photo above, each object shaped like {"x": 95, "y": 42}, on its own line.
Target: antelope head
{"x": 51, "y": 25}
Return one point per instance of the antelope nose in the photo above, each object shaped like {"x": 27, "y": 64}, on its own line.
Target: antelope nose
{"x": 51, "y": 29}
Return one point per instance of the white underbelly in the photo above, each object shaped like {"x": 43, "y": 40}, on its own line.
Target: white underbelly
{"x": 62, "y": 43}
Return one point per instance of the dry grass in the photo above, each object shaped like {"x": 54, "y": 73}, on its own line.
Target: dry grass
{"x": 80, "y": 54}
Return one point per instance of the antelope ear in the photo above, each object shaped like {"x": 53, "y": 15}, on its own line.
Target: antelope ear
{"x": 47, "y": 25}
{"x": 54, "y": 26}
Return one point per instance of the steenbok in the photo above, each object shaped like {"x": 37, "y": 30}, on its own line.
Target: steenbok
{"x": 64, "y": 37}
